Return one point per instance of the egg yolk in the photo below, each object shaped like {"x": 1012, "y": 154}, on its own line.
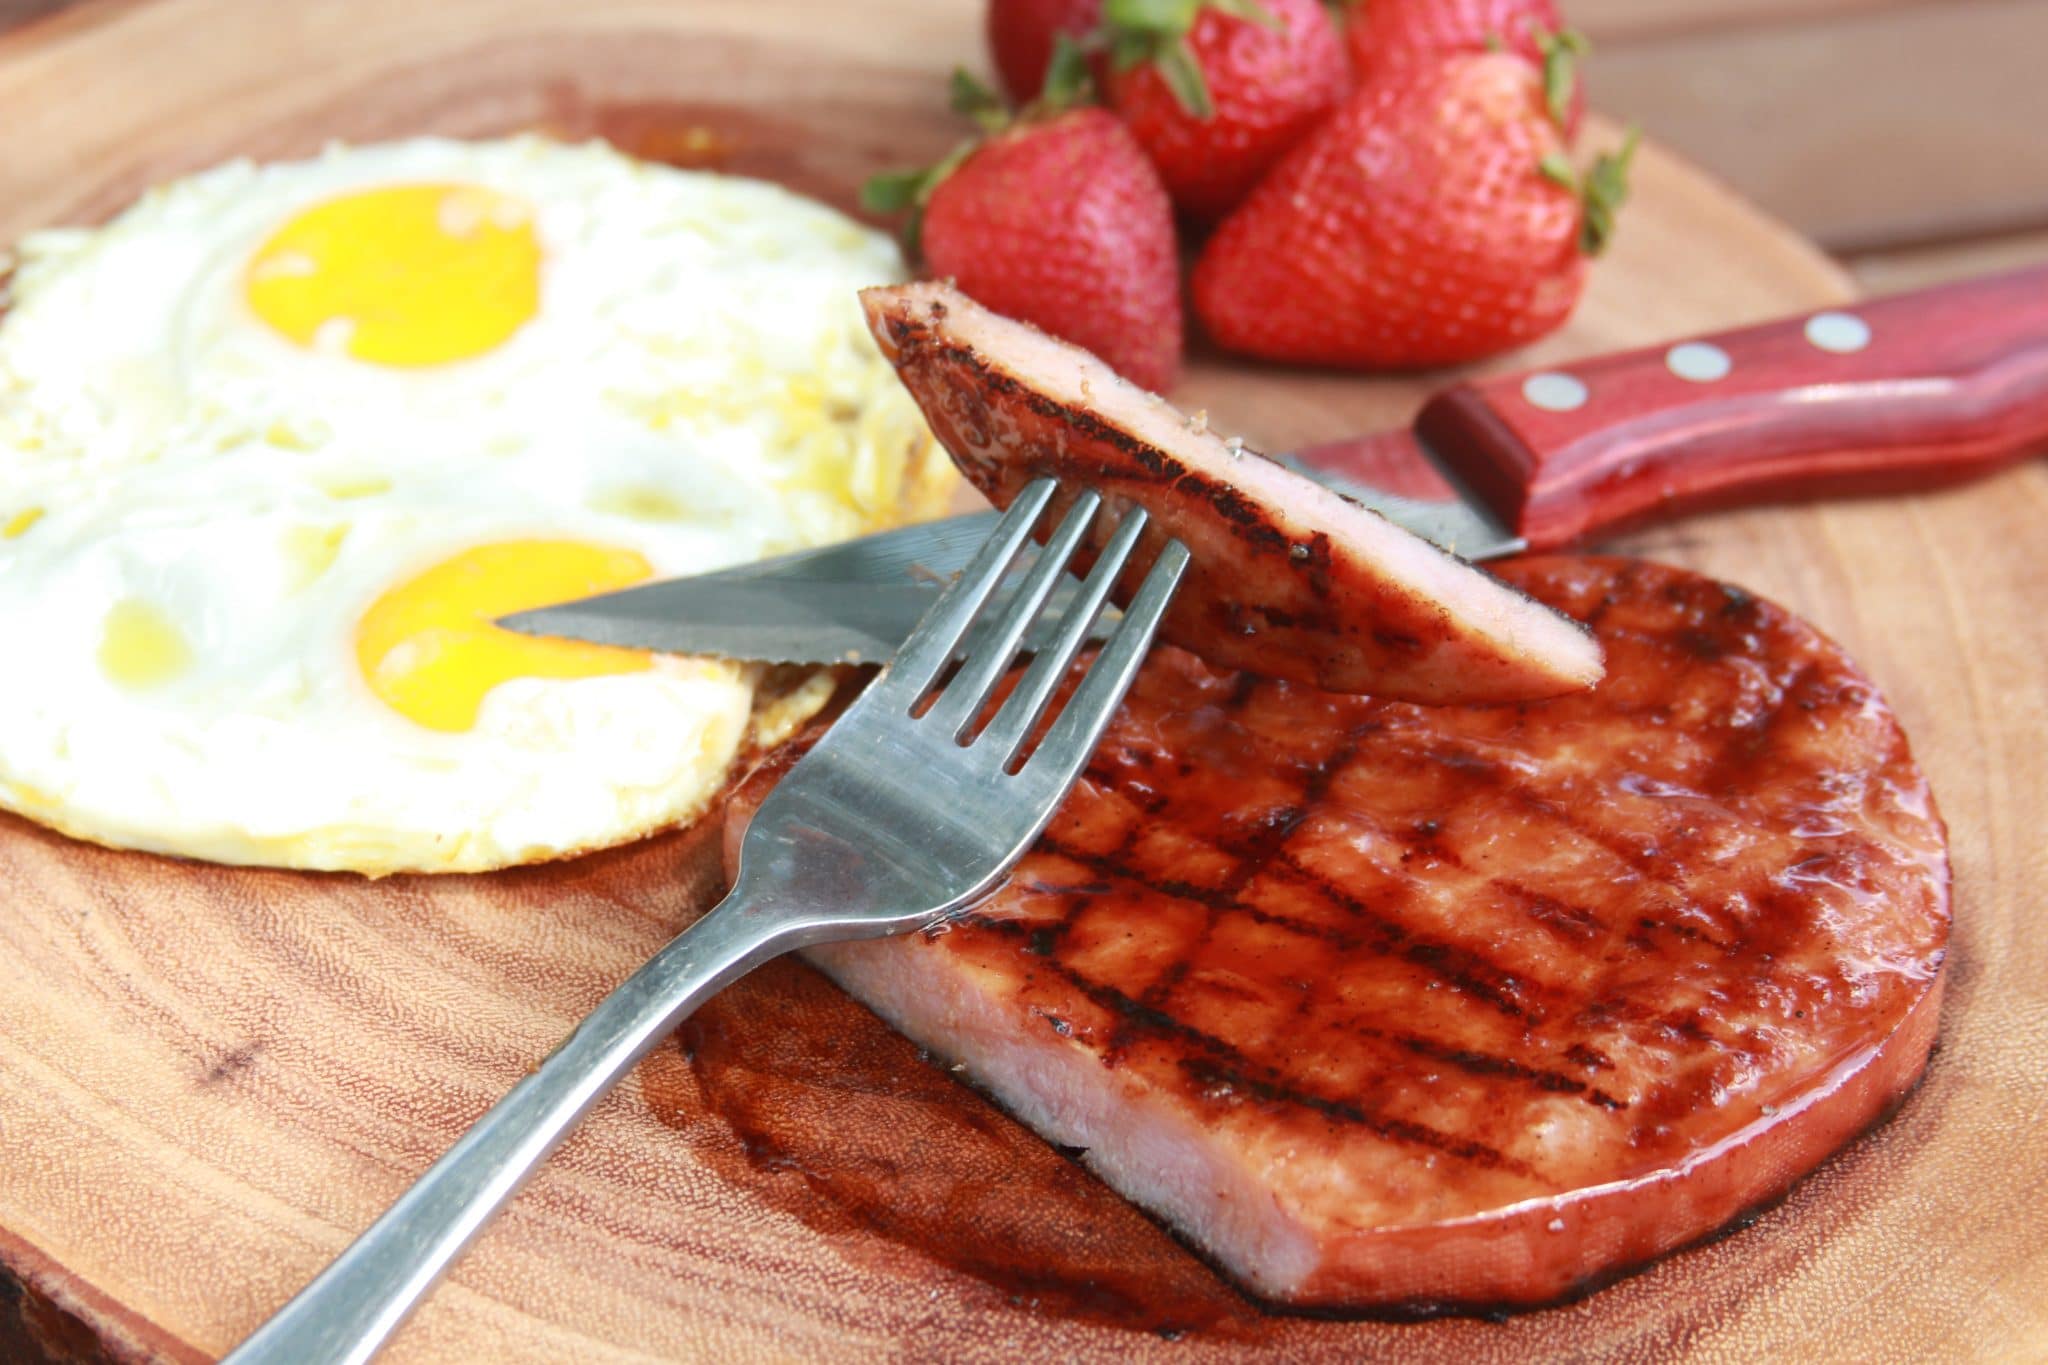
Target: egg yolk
{"x": 429, "y": 649}
{"x": 402, "y": 275}
{"x": 140, "y": 647}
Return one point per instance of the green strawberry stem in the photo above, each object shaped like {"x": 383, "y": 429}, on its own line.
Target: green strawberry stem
{"x": 1557, "y": 169}
{"x": 1067, "y": 84}
{"x": 1601, "y": 194}
{"x": 895, "y": 191}
{"x": 1156, "y": 31}
{"x": 1067, "y": 78}
{"x": 892, "y": 191}
{"x": 974, "y": 97}
{"x": 1605, "y": 192}
{"x": 1561, "y": 52}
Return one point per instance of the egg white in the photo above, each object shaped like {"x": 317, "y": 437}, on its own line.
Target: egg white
{"x": 696, "y": 386}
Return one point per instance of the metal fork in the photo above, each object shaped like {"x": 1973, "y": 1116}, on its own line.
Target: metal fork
{"x": 899, "y": 814}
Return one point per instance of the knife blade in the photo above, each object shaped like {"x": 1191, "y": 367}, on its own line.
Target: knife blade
{"x": 1919, "y": 389}
{"x": 766, "y": 620}
{"x": 856, "y": 600}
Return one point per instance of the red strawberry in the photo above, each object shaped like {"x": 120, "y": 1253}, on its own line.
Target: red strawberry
{"x": 1021, "y": 35}
{"x": 1432, "y": 219}
{"x": 1382, "y": 32}
{"x": 1217, "y": 92}
{"x": 1058, "y": 219}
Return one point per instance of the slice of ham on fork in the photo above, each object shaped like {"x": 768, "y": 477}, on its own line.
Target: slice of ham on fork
{"x": 1288, "y": 579}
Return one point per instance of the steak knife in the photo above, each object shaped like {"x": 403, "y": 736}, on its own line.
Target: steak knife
{"x": 1911, "y": 391}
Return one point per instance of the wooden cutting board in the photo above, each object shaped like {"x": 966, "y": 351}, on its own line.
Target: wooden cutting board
{"x": 210, "y": 1079}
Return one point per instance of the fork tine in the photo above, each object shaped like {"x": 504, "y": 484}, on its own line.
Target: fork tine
{"x": 989, "y": 658}
{"x": 1074, "y": 735}
{"x": 925, "y": 654}
{"x": 1012, "y": 724}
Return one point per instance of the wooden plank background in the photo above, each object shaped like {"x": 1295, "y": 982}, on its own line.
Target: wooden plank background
{"x": 1906, "y": 136}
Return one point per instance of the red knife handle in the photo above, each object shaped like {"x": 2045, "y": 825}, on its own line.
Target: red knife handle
{"x": 1910, "y": 391}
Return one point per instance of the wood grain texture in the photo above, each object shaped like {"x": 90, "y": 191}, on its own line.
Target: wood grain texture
{"x": 15, "y": 12}
{"x": 1866, "y": 127}
{"x": 1610, "y": 21}
{"x": 1940, "y": 262}
{"x": 210, "y": 1078}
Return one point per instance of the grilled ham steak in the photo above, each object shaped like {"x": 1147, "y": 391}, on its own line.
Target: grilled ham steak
{"x": 1288, "y": 578}
{"x": 1381, "y": 1005}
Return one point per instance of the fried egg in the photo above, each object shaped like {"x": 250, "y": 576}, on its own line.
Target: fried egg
{"x": 280, "y": 443}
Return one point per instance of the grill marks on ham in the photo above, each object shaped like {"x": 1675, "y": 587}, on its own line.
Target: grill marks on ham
{"x": 1287, "y": 577}
{"x": 1385, "y": 1005}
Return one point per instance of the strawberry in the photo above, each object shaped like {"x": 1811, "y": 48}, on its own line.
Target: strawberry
{"x": 1432, "y": 219}
{"x": 1056, "y": 218}
{"x": 1216, "y": 92}
{"x": 1021, "y": 34}
{"x": 1379, "y": 33}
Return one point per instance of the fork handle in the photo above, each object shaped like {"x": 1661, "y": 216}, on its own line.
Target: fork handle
{"x": 348, "y": 1310}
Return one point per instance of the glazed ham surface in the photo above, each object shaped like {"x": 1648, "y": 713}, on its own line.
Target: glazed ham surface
{"x": 1287, "y": 577}
{"x": 1383, "y": 1005}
